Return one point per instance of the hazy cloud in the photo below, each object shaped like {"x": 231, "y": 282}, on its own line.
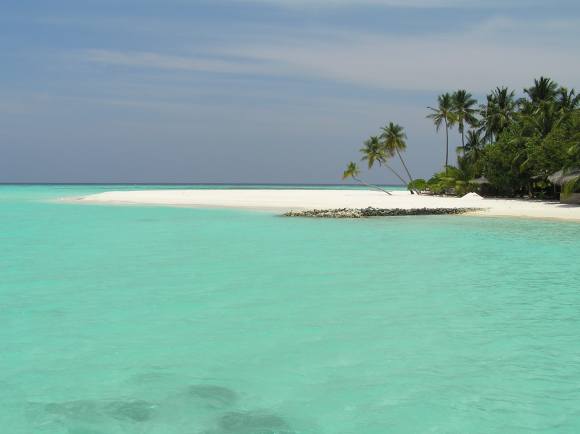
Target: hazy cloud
{"x": 230, "y": 90}
{"x": 477, "y": 59}
{"x": 391, "y": 3}
{"x": 167, "y": 61}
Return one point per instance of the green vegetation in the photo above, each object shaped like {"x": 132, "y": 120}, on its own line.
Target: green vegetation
{"x": 528, "y": 146}
{"x": 515, "y": 145}
{"x": 379, "y": 150}
{"x": 352, "y": 171}
{"x": 395, "y": 142}
{"x": 444, "y": 114}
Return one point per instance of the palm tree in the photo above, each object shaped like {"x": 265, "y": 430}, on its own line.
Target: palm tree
{"x": 487, "y": 113}
{"x": 443, "y": 115}
{"x": 543, "y": 90}
{"x": 464, "y": 111}
{"x": 474, "y": 141}
{"x": 498, "y": 113}
{"x": 567, "y": 100}
{"x": 505, "y": 109}
{"x": 394, "y": 141}
{"x": 352, "y": 171}
{"x": 542, "y": 120}
{"x": 374, "y": 152}
{"x": 472, "y": 151}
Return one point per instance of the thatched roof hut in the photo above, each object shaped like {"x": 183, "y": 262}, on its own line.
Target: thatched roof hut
{"x": 482, "y": 180}
{"x": 564, "y": 176}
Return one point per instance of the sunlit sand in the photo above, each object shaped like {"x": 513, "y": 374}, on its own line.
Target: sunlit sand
{"x": 285, "y": 200}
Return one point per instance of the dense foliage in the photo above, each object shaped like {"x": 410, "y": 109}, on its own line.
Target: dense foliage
{"x": 511, "y": 146}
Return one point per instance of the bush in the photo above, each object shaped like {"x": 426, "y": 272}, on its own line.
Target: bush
{"x": 418, "y": 184}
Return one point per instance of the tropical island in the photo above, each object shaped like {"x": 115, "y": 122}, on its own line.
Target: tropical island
{"x": 516, "y": 157}
{"x": 510, "y": 147}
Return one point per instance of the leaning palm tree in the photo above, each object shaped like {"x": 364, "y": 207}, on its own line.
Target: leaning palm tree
{"x": 443, "y": 115}
{"x": 352, "y": 171}
{"x": 394, "y": 141}
{"x": 464, "y": 111}
{"x": 374, "y": 152}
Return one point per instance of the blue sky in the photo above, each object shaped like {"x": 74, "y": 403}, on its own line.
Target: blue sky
{"x": 252, "y": 91}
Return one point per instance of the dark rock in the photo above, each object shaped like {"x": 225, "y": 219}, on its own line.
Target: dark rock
{"x": 376, "y": 212}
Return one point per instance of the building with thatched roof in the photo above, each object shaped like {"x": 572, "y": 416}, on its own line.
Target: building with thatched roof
{"x": 564, "y": 177}
{"x": 482, "y": 180}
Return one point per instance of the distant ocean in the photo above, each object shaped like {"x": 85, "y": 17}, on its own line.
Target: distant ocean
{"x": 164, "y": 320}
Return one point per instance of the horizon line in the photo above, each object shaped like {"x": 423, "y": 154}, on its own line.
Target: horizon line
{"x": 193, "y": 183}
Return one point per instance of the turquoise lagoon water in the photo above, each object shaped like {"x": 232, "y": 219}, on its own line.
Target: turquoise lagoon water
{"x": 182, "y": 321}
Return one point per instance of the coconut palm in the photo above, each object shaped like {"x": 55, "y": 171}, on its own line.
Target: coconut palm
{"x": 474, "y": 141}
{"x": 352, "y": 171}
{"x": 498, "y": 113}
{"x": 394, "y": 141}
{"x": 444, "y": 115}
{"x": 374, "y": 152}
{"x": 486, "y": 111}
{"x": 543, "y": 90}
{"x": 471, "y": 152}
{"x": 464, "y": 110}
{"x": 542, "y": 120}
{"x": 567, "y": 101}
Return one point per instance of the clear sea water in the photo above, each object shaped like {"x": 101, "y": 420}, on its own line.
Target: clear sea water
{"x": 159, "y": 320}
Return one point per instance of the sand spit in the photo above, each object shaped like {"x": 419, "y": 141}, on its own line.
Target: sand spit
{"x": 310, "y": 199}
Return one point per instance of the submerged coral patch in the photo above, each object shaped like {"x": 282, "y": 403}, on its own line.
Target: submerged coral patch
{"x": 132, "y": 410}
{"x": 213, "y": 396}
{"x": 77, "y": 410}
{"x": 253, "y": 422}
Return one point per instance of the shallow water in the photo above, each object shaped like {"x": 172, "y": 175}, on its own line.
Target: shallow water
{"x": 174, "y": 320}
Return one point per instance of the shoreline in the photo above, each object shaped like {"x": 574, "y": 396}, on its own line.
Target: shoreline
{"x": 286, "y": 200}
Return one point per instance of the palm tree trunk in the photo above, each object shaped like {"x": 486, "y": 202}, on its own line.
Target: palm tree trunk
{"x": 396, "y": 174}
{"x": 447, "y": 146}
{"x": 462, "y": 143}
{"x": 371, "y": 186}
{"x": 406, "y": 169}
{"x": 405, "y": 166}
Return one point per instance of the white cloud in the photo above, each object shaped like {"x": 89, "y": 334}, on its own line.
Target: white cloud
{"x": 475, "y": 60}
{"x": 164, "y": 61}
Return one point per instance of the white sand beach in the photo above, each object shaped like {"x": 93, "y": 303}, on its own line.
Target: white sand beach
{"x": 285, "y": 200}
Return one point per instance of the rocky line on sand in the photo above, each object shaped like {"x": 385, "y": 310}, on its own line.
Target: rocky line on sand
{"x": 356, "y": 213}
